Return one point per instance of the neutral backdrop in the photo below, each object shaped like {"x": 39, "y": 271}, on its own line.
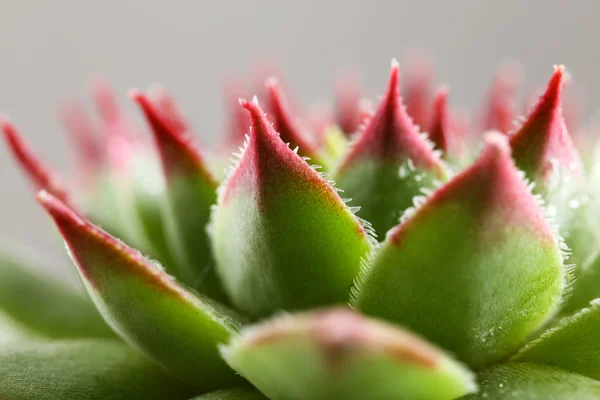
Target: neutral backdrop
{"x": 49, "y": 50}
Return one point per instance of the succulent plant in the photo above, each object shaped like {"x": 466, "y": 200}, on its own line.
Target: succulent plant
{"x": 444, "y": 277}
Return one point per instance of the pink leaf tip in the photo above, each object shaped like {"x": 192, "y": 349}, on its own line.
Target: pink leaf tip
{"x": 543, "y": 140}
{"x": 289, "y": 127}
{"x": 238, "y": 121}
{"x": 178, "y": 154}
{"x": 418, "y": 88}
{"x": 40, "y": 175}
{"x": 390, "y": 133}
{"x": 500, "y": 109}
{"x": 347, "y": 103}
{"x": 492, "y": 186}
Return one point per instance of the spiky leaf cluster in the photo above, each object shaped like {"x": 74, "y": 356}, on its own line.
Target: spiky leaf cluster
{"x": 448, "y": 260}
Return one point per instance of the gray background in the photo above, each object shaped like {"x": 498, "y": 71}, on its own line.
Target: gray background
{"x": 49, "y": 49}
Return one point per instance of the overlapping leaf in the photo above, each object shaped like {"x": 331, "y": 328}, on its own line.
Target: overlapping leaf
{"x": 338, "y": 354}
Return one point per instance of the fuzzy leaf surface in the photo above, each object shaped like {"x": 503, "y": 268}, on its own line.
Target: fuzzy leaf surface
{"x": 339, "y": 354}
{"x": 282, "y": 237}
{"x": 144, "y": 305}
{"x": 190, "y": 192}
{"x": 476, "y": 269}
{"x": 83, "y": 369}
{"x": 533, "y": 382}
{"x": 572, "y": 344}
{"x": 388, "y": 163}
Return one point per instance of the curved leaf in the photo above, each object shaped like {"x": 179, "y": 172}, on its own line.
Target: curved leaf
{"x": 476, "y": 269}
{"x": 191, "y": 191}
{"x": 572, "y": 344}
{"x": 233, "y": 394}
{"x": 45, "y": 306}
{"x": 83, "y": 369}
{"x": 389, "y": 163}
{"x": 339, "y": 354}
{"x": 534, "y": 382}
{"x": 282, "y": 237}
{"x": 147, "y": 307}
{"x": 542, "y": 147}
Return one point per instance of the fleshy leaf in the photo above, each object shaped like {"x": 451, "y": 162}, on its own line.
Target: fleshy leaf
{"x": 542, "y": 146}
{"x": 441, "y": 130}
{"x": 191, "y": 191}
{"x": 238, "y": 119}
{"x": 476, "y": 269}
{"x": 587, "y": 284}
{"x": 282, "y": 237}
{"x": 389, "y": 162}
{"x": 288, "y": 125}
{"x": 83, "y": 369}
{"x": 533, "y": 382}
{"x": 87, "y": 150}
{"x": 246, "y": 393}
{"x": 144, "y": 305}
{"x": 347, "y": 104}
{"x": 418, "y": 89}
{"x": 500, "y": 112}
{"x": 44, "y": 306}
{"x": 338, "y": 354}
{"x": 572, "y": 344}
{"x": 40, "y": 175}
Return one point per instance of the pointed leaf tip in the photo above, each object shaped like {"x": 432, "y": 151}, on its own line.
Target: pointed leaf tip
{"x": 273, "y": 208}
{"x": 500, "y": 110}
{"x": 390, "y": 133}
{"x": 178, "y": 154}
{"x": 40, "y": 175}
{"x": 418, "y": 89}
{"x": 339, "y": 354}
{"x": 287, "y": 124}
{"x": 439, "y": 128}
{"x": 105, "y": 100}
{"x": 83, "y": 136}
{"x": 473, "y": 238}
{"x": 144, "y": 305}
{"x": 542, "y": 144}
{"x": 347, "y": 103}
{"x": 191, "y": 191}
{"x": 169, "y": 108}
{"x": 389, "y": 162}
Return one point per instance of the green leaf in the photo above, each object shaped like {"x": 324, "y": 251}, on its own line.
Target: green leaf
{"x": 83, "y": 369}
{"x": 233, "y": 394}
{"x": 542, "y": 147}
{"x": 476, "y": 269}
{"x": 586, "y": 287}
{"x": 339, "y": 354}
{"x": 282, "y": 237}
{"x": 147, "y": 307}
{"x": 533, "y": 382}
{"x": 572, "y": 344}
{"x": 389, "y": 163}
{"x": 45, "y": 306}
{"x": 191, "y": 191}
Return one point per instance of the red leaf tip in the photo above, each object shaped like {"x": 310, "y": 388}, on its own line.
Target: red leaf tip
{"x": 178, "y": 154}
{"x": 286, "y": 124}
{"x": 543, "y": 138}
{"x": 500, "y": 110}
{"x": 40, "y": 175}
{"x": 105, "y": 100}
{"x": 391, "y": 135}
{"x": 347, "y": 103}
{"x": 496, "y": 145}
